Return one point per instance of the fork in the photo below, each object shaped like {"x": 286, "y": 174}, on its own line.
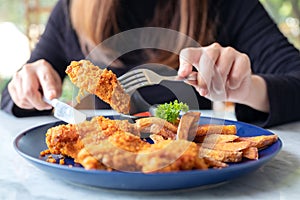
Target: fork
{"x": 138, "y": 78}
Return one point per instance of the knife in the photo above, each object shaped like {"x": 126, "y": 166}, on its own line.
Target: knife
{"x": 65, "y": 112}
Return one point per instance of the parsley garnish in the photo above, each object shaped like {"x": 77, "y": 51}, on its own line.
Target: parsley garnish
{"x": 170, "y": 111}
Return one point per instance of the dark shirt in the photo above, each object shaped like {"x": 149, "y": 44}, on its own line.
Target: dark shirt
{"x": 242, "y": 24}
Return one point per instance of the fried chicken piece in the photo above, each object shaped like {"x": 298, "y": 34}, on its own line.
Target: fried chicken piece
{"x": 110, "y": 126}
{"x": 101, "y": 143}
{"x": 113, "y": 156}
{"x": 65, "y": 140}
{"x": 115, "y": 148}
{"x": 102, "y": 83}
{"x": 170, "y": 155}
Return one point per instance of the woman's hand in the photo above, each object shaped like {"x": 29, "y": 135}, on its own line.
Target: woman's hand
{"x": 224, "y": 74}
{"x": 31, "y": 82}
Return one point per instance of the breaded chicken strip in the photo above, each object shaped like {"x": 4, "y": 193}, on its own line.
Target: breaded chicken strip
{"x": 101, "y": 143}
{"x": 65, "y": 140}
{"x": 102, "y": 83}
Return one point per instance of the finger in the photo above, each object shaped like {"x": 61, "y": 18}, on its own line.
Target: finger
{"x": 31, "y": 87}
{"x": 192, "y": 79}
{"x": 17, "y": 97}
{"x": 222, "y": 69}
{"x": 188, "y": 58}
{"x": 240, "y": 70}
{"x": 207, "y": 68}
{"x": 50, "y": 83}
{"x": 17, "y": 93}
{"x": 225, "y": 61}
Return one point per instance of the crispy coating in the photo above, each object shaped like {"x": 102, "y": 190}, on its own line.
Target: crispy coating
{"x": 101, "y": 143}
{"x": 170, "y": 155}
{"x": 102, "y": 83}
{"x": 65, "y": 140}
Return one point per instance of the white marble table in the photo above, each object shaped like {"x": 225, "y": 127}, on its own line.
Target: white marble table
{"x": 278, "y": 179}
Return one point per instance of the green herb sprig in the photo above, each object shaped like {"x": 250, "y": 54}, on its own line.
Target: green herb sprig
{"x": 170, "y": 111}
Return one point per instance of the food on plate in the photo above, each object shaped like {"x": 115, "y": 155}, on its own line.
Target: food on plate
{"x": 102, "y": 83}
{"x": 220, "y": 155}
{"x": 260, "y": 141}
{"x": 109, "y": 144}
{"x": 250, "y": 153}
{"x": 216, "y": 138}
{"x": 214, "y": 128}
{"x": 171, "y": 155}
{"x": 187, "y": 126}
{"x": 72, "y": 140}
{"x": 156, "y": 126}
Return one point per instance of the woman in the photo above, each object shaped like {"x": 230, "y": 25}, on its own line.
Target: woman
{"x": 260, "y": 70}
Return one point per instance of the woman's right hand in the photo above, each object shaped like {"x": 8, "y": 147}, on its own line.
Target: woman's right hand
{"x": 31, "y": 82}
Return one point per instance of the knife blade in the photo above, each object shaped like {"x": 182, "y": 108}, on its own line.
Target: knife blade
{"x": 66, "y": 112}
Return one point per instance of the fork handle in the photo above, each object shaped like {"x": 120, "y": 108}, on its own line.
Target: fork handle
{"x": 176, "y": 78}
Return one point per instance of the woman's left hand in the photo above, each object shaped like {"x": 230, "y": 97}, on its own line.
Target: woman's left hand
{"x": 223, "y": 74}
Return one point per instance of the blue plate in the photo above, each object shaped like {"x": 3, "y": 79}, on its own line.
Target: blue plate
{"x": 30, "y": 143}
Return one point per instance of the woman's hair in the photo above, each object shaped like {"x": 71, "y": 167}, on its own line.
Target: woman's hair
{"x": 96, "y": 20}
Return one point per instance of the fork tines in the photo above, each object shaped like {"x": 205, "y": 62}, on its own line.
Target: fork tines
{"x": 132, "y": 80}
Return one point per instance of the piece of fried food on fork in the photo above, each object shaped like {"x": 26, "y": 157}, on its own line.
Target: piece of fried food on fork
{"x": 103, "y": 83}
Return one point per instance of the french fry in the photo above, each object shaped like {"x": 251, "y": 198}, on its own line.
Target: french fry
{"x": 215, "y": 129}
{"x": 250, "y": 153}
{"x": 223, "y": 156}
{"x": 215, "y": 163}
{"x": 230, "y": 146}
{"x": 260, "y": 142}
{"x": 215, "y": 138}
